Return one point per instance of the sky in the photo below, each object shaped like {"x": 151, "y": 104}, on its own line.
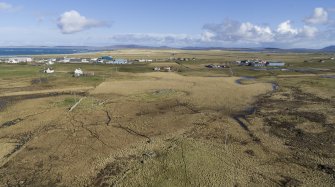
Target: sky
{"x": 174, "y": 23}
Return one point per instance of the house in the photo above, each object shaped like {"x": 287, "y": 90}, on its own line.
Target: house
{"x": 212, "y": 66}
{"x": 245, "y": 63}
{"x": 275, "y": 64}
{"x": 105, "y": 59}
{"x": 15, "y": 60}
{"x": 167, "y": 68}
{"x": 144, "y": 60}
{"x": 84, "y": 60}
{"x": 216, "y": 66}
{"x": 120, "y": 61}
{"x": 12, "y": 61}
{"x": 78, "y": 72}
{"x": 259, "y": 64}
{"x": 50, "y": 62}
{"x": 94, "y": 59}
{"x": 65, "y": 60}
{"x": 49, "y": 71}
{"x": 100, "y": 60}
{"x": 183, "y": 59}
{"x": 157, "y": 69}
{"x": 75, "y": 60}
{"x": 40, "y": 61}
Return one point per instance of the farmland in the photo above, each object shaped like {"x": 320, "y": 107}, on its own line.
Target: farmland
{"x": 194, "y": 126}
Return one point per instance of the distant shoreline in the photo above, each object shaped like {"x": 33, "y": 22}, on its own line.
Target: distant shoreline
{"x": 30, "y": 51}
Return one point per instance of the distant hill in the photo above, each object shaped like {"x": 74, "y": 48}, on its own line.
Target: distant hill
{"x": 133, "y": 46}
{"x": 329, "y": 48}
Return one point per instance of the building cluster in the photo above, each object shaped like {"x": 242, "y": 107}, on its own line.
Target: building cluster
{"x": 185, "y": 59}
{"x": 51, "y": 61}
{"x": 177, "y": 59}
{"x": 111, "y": 60}
{"x": 214, "y": 66}
{"x": 78, "y": 72}
{"x": 16, "y": 60}
{"x": 259, "y": 63}
{"x": 143, "y": 60}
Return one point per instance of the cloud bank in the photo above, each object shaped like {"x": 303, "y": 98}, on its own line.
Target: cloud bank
{"x": 232, "y": 33}
{"x": 71, "y": 22}
{"x": 231, "y": 30}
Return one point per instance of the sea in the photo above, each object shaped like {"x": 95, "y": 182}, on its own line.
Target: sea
{"x": 12, "y": 51}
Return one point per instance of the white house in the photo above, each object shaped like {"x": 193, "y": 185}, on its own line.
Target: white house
{"x": 16, "y": 60}
{"x": 144, "y": 60}
{"x": 157, "y": 69}
{"x": 84, "y": 60}
{"x": 168, "y": 68}
{"x": 50, "y": 62}
{"x": 49, "y": 70}
{"x": 12, "y": 61}
{"x": 40, "y": 61}
{"x": 118, "y": 61}
{"x": 100, "y": 61}
{"x": 78, "y": 72}
{"x": 65, "y": 60}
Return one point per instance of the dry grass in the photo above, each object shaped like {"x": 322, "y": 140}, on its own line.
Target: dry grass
{"x": 202, "y": 92}
{"x": 166, "y": 129}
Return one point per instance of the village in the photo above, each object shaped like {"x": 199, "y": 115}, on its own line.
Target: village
{"x": 51, "y": 61}
{"x": 157, "y": 64}
{"x": 47, "y": 63}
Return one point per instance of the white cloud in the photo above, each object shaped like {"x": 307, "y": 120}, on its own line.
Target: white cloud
{"x": 207, "y": 36}
{"x": 309, "y": 31}
{"x": 286, "y": 28}
{"x": 72, "y": 22}
{"x": 231, "y": 30}
{"x": 5, "y": 6}
{"x": 249, "y": 31}
{"x": 320, "y": 16}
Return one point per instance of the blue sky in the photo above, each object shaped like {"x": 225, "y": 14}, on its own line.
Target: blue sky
{"x": 224, "y": 23}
